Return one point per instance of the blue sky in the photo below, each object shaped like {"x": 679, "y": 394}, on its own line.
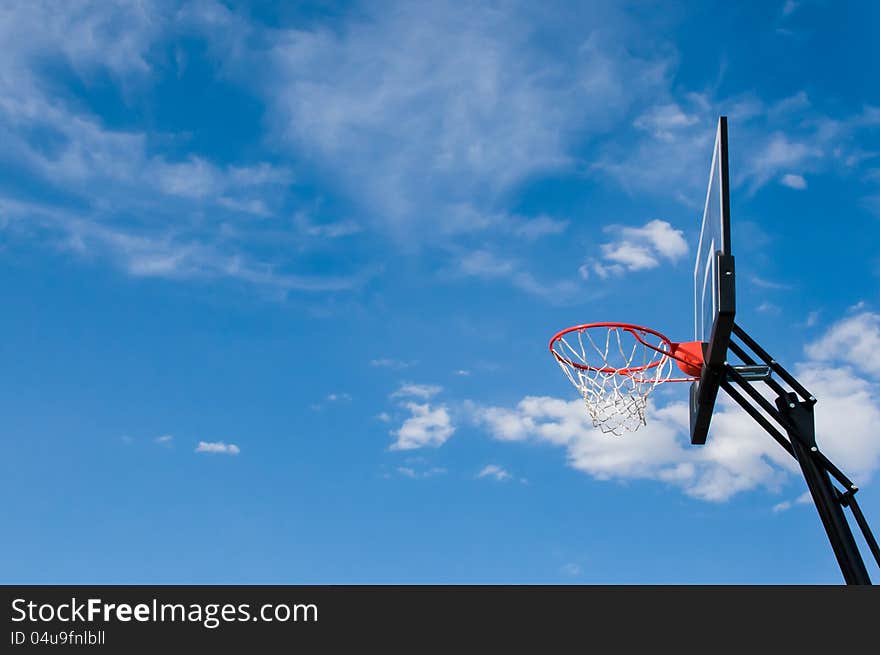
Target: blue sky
{"x": 278, "y": 282}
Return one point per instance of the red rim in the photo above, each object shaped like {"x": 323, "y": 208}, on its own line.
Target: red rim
{"x": 629, "y": 327}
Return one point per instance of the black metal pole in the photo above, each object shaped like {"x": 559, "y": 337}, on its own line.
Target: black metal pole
{"x": 800, "y": 426}
{"x": 863, "y": 524}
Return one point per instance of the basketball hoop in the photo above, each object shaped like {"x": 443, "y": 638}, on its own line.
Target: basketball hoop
{"x": 616, "y": 366}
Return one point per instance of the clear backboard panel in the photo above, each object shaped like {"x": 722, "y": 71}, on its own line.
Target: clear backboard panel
{"x": 714, "y": 237}
{"x": 714, "y": 288}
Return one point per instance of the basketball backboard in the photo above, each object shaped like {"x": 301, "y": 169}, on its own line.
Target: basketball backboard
{"x": 714, "y": 288}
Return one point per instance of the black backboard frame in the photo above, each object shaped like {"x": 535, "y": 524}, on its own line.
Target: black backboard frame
{"x": 704, "y": 392}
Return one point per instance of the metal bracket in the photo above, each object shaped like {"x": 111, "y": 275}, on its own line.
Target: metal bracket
{"x": 753, "y": 373}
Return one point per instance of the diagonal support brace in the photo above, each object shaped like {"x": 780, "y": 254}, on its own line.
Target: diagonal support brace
{"x": 800, "y": 426}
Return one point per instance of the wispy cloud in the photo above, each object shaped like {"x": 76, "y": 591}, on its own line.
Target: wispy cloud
{"x": 495, "y": 472}
{"x": 485, "y": 264}
{"x": 415, "y": 474}
{"x": 482, "y": 263}
{"x": 144, "y": 252}
{"x": 538, "y": 227}
{"x": 427, "y": 153}
{"x": 217, "y": 448}
{"x": 768, "y": 284}
{"x": 786, "y": 505}
{"x": 793, "y": 181}
{"x": 768, "y": 308}
{"x": 571, "y": 570}
{"x": 669, "y": 150}
{"x": 130, "y": 196}
{"x": 779, "y": 153}
{"x": 329, "y": 230}
{"x": 424, "y": 391}
{"x": 426, "y": 147}
{"x": 387, "y": 362}
{"x": 331, "y": 399}
{"x": 663, "y": 121}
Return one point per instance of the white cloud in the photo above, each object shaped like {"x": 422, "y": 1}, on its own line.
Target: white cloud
{"x": 332, "y": 230}
{"x": 427, "y": 426}
{"x": 768, "y": 308}
{"x": 428, "y": 145}
{"x": 847, "y": 416}
{"x": 637, "y": 249}
{"x": 164, "y": 439}
{"x": 632, "y": 257}
{"x": 777, "y": 154}
{"x": 473, "y": 108}
{"x": 662, "y": 159}
{"x": 387, "y": 362}
{"x": 664, "y": 120}
{"x": 176, "y": 242}
{"x": 331, "y": 398}
{"x": 602, "y": 270}
{"x": 385, "y": 417}
{"x": 571, "y": 570}
{"x": 88, "y": 36}
{"x": 798, "y": 102}
{"x": 542, "y": 226}
{"x": 785, "y": 505}
{"x": 495, "y": 472}
{"x": 217, "y": 447}
{"x": 793, "y": 181}
{"x": 854, "y": 340}
{"x": 660, "y": 236}
{"x": 121, "y": 165}
{"x": 147, "y": 254}
{"x": 149, "y": 212}
{"x": 768, "y": 284}
{"x": 423, "y": 391}
{"x": 670, "y": 151}
{"x": 409, "y": 472}
{"x": 484, "y": 264}
{"x": 738, "y": 457}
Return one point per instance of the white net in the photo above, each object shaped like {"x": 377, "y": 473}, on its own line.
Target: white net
{"x": 615, "y": 369}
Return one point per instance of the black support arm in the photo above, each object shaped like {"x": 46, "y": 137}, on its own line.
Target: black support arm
{"x": 793, "y": 413}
